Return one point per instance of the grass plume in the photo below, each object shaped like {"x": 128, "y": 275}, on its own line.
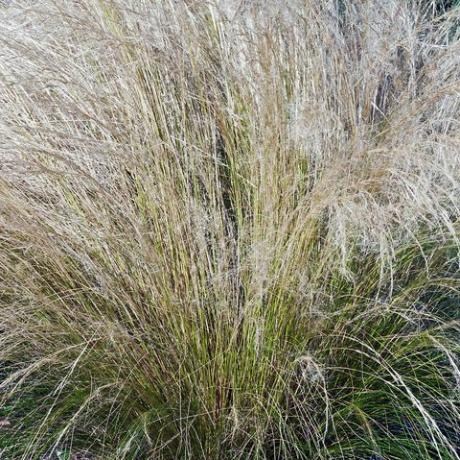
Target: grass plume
{"x": 230, "y": 230}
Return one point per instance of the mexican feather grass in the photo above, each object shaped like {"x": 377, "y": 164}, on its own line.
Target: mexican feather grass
{"x": 229, "y": 230}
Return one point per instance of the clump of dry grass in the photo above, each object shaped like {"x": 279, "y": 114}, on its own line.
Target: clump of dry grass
{"x": 230, "y": 230}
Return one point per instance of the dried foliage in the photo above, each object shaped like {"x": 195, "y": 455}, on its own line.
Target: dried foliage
{"x": 229, "y": 230}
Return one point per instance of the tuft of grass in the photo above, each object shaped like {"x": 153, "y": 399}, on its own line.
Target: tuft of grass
{"x": 229, "y": 230}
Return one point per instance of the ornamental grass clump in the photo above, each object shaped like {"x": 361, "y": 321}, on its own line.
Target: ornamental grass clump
{"x": 229, "y": 230}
